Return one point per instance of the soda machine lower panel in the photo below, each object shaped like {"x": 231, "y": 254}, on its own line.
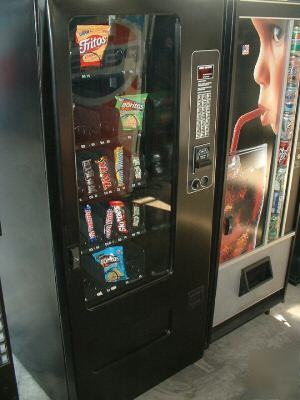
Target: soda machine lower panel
{"x": 228, "y": 302}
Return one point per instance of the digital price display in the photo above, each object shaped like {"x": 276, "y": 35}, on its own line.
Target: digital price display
{"x": 205, "y": 72}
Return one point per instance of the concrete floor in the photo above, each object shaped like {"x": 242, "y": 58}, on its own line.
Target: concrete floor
{"x": 259, "y": 361}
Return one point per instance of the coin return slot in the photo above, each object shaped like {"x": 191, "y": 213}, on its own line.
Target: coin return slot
{"x": 196, "y": 184}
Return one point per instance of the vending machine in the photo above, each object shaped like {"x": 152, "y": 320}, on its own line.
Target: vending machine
{"x": 107, "y": 151}
{"x": 261, "y": 177}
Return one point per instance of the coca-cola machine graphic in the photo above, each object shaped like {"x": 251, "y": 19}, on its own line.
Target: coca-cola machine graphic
{"x": 261, "y": 176}
{"x": 122, "y": 99}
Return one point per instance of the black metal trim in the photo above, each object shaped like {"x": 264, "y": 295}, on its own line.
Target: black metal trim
{"x": 222, "y": 145}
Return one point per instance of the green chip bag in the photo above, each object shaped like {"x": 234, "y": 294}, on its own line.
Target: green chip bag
{"x": 132, "y": 109}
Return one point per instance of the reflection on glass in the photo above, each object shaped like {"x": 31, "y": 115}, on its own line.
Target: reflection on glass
{"x": 124, "y": 82}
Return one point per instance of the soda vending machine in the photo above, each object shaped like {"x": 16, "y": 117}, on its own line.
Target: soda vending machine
{"x": 261, "y": 179}
{"x": 108, "y": 149}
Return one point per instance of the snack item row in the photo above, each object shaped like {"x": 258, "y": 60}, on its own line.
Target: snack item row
{"x": 113, "y": 220}
{"x": 110, "y": 171}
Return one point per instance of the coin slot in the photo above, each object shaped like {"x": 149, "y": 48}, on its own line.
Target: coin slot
{"x": 201, "y": 157}
{"x": 196, "y": 184}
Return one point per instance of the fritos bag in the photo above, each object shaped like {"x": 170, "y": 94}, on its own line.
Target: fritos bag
{"x": 92, "y": 41}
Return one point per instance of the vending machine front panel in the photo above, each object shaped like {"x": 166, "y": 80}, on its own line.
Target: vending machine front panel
{"x": 130, "y": 238}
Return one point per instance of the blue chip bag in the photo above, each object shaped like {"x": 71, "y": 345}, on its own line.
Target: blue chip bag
{"x": 112, "y": 261}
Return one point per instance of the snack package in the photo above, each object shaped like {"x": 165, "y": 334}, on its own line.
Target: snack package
{"x": 89, "y": 176}
{"x": 111, "y": 260}
{"x": 136, "y": 162}
{"x": 109, "y": 220}
{"x": 92, "y": 41}
{"x": 136, "y": 216}
{"x": 131, "y": 108}
{"x": 119, "y": 210}
{"x": 119, "y": 165}
{"x": 90, "y": 223}
{"x": 103, "y": 167}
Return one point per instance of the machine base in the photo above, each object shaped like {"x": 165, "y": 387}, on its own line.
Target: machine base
{"x": 246, "y": 315}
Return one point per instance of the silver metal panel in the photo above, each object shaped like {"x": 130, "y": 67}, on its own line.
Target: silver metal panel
{"x": 228, "y": 303}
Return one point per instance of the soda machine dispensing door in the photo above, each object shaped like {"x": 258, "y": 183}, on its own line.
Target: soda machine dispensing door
{"x": 123, "y": 103}
{"x": 259, "y": 196}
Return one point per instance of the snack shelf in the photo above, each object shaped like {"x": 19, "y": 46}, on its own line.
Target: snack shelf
{"x": 109, "y": 195}
{"x": 101, "y": 196}
{"x": 95, "y": 292}
{"x": 98, "y": 143}
{"x": 90, "y": 75}
{"x": 86, "y": 249}
{"x": 119, "y": 240}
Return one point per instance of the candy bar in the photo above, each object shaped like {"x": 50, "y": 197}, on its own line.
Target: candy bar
{"x": 89, "y": 175}
{"x": 90, "y": 223}
{"x": 137, "y": 168}
{"x": 103, "y": 168}
{"x": 119, "y": 210}
{"x": 119, "y": 165}
{"x": 108, "y": 223}
{"x": 136, "y": 215}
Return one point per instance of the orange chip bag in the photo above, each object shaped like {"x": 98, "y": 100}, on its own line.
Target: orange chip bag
{"x": 92, "y": 41}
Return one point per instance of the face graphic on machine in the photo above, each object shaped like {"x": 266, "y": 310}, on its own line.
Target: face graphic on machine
{"x": 269, "y": 68}
{"x": 260, "y": 62}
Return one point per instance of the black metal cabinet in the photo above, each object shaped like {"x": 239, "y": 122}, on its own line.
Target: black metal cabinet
{"x": 110, "y": 316}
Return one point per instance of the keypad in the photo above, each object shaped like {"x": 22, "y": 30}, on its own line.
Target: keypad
{"x": 203, "y": 115}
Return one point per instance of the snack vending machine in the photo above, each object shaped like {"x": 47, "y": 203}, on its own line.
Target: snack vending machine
{"x": 119, "y": 100}
{"x": 262, "y": 177}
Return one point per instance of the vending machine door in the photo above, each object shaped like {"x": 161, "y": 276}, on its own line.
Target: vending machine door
{"x": 129, "y": 81}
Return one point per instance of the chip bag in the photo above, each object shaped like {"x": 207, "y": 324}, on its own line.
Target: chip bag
{"x": 92, "y": 41}
{"x": 132, "y": 108}
{"x": 112, "y": 261}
